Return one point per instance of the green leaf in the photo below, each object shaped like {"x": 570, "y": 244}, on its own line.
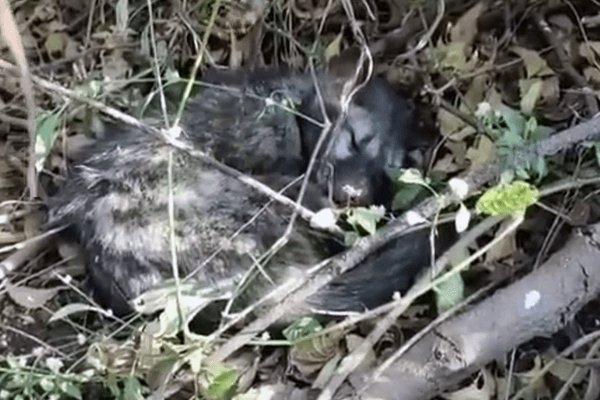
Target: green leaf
{"x": 511, "y": 139}
{"x": 13, "y": 362}
{"x": 541, "y": 167}
{"x": 412, "y": 175}
{"x": 18, "y": 380}
{"x": 163, "y": 370}
{"x": 508, "y": 198}
{"x": 302, "y": 328}
{"x": 70, "y": 389}
{"x": 365, "y": 218}
{"x": 522, "y": 172}
{"x": 531, "y": 127}
{"x": 170, "y": 321}
{"x": 45, "y": 135}
{"x": 90, "y": 89}
{"x": 333, "y": 48}
{"x": 113, "y": 386}
{"x": 133, "y": 389}
{"x": 406, "y": 195}
{"x": 513, "y": 119}
{"x": 454, "y": 57}
{"x": 46, "y": 384}
{"x": 222, "y": 381}
{"x": 450, "y": 292}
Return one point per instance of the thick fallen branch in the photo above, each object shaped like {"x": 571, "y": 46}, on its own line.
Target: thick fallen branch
{"x": 538, "y": 305}
{"x": 475, "y": 178}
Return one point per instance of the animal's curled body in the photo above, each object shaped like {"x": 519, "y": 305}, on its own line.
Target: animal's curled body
{"x": 116, "y": 198}
{"x": 117, "y": 205}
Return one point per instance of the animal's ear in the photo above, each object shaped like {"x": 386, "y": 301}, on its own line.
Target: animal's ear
{"x": 343, "y": 67}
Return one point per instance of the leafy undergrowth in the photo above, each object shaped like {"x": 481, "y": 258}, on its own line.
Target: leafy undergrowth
{"x": 494, "y": 79}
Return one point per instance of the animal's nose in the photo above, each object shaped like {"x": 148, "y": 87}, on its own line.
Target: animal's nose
{"x": 353, "y": 190}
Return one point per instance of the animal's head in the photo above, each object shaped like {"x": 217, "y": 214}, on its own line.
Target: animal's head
{"x": 370, "y": 140}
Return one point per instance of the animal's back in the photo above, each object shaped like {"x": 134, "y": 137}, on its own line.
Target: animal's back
{"x": 117, "y": 203}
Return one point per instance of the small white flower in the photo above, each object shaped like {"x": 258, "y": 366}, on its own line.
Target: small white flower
{"x": 414, "y": 218}
{"x": 351, "y": 191}
{"x": 81, "y": 339}
{"x": 174, "y": 132}
{"x": 55, "y": 364}
{"x": 22, "y": 361}
{"x": 463, "y": 217}
{"x": 323, "y": 219}
{"x": 38, "y": 351}
{"x": 378, "y": 210}
{"x": 483, "y": 109}
{"x": 459, "y": 187}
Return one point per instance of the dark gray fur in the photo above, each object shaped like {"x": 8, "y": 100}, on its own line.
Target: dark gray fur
{"x": 115, "y": 199}
{"x": 116, "y": 203}
{"x": 233, "y": 123}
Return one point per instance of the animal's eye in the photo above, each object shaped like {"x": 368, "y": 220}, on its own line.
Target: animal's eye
{"x": 353, "y": 140}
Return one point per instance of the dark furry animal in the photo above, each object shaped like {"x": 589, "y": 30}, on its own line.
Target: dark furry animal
{"x": 232, "y": 121}
{"x": 116, "y": 203}
{"x": 115, "y": 200}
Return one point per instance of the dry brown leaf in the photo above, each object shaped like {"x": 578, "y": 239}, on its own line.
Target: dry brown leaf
{"x": 446, "y": 165}
{"x": 535, "y": 65}
{"x": 458, "y": 148}
{"x": 309, "y": 355}
{"x": 538, "y": 389}
{"x": 465, "y": 28}
{"x": 592, "y": 75}
{"x": 589, "y": 50}
{"x": 580, "y": 213}
{"x": 28, "y": 297}
{"x": 449, "y": 123}
{"x": 55, "y": 44}
{"x": 550, "y": 93}
{"x": 11, "y": 237}
{"x": 114, "y": 66}
{"x": 531, "y": 90}
{"x": 353, "y": 341}
{"x": 466, "y": 132}
{"x": 483, "y": 153}
{"x": 475, "y": 94}
{"x": 504, "y": 249}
